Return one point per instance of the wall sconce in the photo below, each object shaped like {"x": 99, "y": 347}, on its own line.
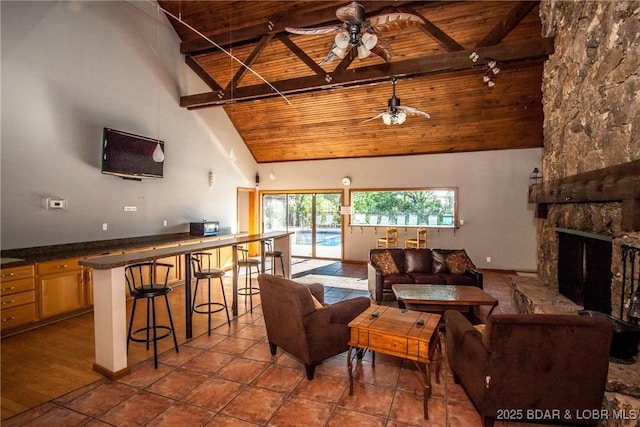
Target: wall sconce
{"x": 535, "y": 177}
{"x": 232, "y": 156}
{"x": 272, "y": 175}
{"x": 212, "y": 179}
{"x": 257, "y": 180}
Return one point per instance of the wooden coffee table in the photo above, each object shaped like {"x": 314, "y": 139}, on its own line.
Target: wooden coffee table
{"x": 411, "y": 335}
{"x": 436, "y": 298}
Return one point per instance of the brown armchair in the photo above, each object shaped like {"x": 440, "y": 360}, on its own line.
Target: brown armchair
{"x": 531, "y": 367}
{"x": 295, "y": 324}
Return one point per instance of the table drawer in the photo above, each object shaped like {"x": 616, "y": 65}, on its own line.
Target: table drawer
{"x": 16, "y": 272}
{"x": 13, "y": 300}
{"x": 58, "y": 266}
{"x": 16, "y": 316}
{"x": 13, "y": 286}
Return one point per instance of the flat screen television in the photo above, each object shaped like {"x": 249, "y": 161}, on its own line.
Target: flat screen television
{"x": 130, "y": 156}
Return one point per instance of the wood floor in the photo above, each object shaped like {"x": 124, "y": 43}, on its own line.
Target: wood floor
{"x": 47, "y": 362}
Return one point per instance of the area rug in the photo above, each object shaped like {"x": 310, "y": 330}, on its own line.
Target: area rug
{"x": 334, "y": 281}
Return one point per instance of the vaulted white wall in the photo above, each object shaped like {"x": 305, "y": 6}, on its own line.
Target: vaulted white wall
{"x": 69, "y": 69}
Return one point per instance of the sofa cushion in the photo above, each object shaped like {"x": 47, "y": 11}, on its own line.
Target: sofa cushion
{"x": 385, "y": 262}
{"x": 459, "y": 262}
{"x": 429, "y": 278}
{"x": 440, "y": 260}
{"x": 418, "y": 260}
{"x": 458, "y": 279}
{"x": 393, "y": 279}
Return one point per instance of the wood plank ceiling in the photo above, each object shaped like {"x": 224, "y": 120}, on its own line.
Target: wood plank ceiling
{"x": 327, "y": 103}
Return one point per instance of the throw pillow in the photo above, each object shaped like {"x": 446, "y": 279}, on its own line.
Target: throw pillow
{"x": 458, "y": 262}
{"x": 385, "y": 261}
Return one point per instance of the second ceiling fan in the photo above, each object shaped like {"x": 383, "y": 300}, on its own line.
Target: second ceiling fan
{"x": 361, "y": 33}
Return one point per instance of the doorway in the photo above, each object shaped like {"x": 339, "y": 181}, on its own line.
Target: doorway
{"x": 313, "y": 217}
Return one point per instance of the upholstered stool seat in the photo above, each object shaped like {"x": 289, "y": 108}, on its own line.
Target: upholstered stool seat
{"x": 248, "y": 263}
{"x": 143, "y": 284}
{"x": 208, "y": 307}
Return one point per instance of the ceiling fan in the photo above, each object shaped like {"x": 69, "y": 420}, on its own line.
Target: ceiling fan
{"x": 359, "y": 32}
{"x": 396, "y": 114}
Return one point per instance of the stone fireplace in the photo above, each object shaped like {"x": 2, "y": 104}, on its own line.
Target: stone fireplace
{"x": 590, "y": 164}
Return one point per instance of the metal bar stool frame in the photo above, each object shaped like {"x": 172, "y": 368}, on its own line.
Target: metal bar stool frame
{"x": 141, "y": 281}
{"x": 270, "y": 253}
{"x": 197, "y": 261}
{"x": 247, "y": 263}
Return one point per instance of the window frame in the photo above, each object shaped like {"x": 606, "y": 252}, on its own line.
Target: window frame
{"x": 455, "y": 220}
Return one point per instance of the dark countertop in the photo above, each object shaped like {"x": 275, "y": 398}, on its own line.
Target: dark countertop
{"x": 25, "y": 256}
{"x": 118, "y": 260}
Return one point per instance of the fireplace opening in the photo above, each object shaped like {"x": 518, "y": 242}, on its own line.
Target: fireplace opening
{"x": 584, "y": 269}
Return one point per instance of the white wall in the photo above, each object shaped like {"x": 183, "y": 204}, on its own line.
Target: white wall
{"x": 71, "y": 68}
{"x": 492, "y": 198}
{"x": 68, "y": 70}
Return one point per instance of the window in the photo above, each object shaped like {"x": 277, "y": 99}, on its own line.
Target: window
{"x": 430, "y": 207}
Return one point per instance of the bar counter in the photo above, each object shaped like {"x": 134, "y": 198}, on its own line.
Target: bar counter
{"x": 109, "y": 298}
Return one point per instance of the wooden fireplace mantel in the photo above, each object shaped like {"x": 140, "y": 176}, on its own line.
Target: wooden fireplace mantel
{"x": 619, "y": 183}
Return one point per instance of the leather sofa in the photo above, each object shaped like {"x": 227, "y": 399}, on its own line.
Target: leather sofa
{"x": 543, "y": 368}
{"x": 387, "y": 267}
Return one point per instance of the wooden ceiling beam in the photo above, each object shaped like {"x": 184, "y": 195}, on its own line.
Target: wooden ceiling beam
{"x": 284, "y": 38}
{"x": 506, "y": 25}
{"x": 193, "y": 64}
{"x": 248, "y": 62}
{"x": 430, "y": 29}
{"x": 525, "y": 50}
{"x": 277, "y": 25}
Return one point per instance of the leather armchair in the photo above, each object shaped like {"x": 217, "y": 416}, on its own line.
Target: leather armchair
{"x": 295, "y": 324}
{"x": 531, "y": 367}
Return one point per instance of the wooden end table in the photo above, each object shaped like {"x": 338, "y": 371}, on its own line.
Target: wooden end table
{"x": 437, "y": 298}
{"x": 411, "y": 335}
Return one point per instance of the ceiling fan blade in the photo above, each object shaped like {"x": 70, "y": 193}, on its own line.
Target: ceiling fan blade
{"x": 394, "y": 21}
{"x": 383, "y": 49}
{"x": 353, "y": 13}
{"x": 414, "y": 112}
{"x": 317, "y": 30}
{"x": 377, "y": 116}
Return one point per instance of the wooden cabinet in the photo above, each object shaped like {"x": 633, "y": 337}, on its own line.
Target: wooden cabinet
{"x": 17, "y": 296}
{"x": 61, "y": 287}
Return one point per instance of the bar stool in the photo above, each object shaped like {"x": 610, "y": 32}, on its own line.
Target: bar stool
{"x": 142, "y": 283}
{"x": 197, "y": 262}
{"x": 247, "y": 263}
{"x": 270, "y": 253}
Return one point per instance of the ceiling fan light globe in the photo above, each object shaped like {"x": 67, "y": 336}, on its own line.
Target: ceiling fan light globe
{"x": 401, "y": 117}
{"x": 339, "y": 52}
{"x": 386, "y": 118}
{"x": 369, "y": 40}
{"x": 342, "y": 40}
{"x": 363, "y": 52}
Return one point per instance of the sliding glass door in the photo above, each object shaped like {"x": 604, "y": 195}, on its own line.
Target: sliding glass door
{"x": 314, "y": 218}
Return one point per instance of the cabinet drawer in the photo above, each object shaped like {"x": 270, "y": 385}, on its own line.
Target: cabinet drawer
{"x": 16, "y": 316}
{"x": 12, "y": 286}
{"x": 17, "y": 272}
{"x": 58, "y": 266}
{"x": 17, "y": 299}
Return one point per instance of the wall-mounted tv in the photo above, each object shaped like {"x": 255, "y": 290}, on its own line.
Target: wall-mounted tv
{"x": 130, "y": 156}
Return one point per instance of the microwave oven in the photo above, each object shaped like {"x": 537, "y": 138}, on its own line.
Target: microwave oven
{"x": 204, "y": 228}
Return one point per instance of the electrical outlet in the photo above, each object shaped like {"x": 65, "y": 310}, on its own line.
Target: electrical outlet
{"x": 488, "y": 259}
{"x": 105, "y": 226}
{"x": 164, "y": 223}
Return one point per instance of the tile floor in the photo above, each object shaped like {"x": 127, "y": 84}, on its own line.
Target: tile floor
{"x": 230, "y": 378}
